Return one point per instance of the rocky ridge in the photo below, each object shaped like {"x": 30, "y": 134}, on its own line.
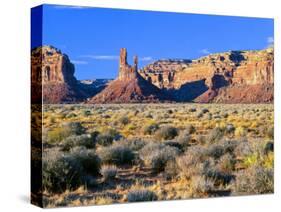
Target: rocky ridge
{"x": 211, "y": 78}
{"x": 229, "y": 77}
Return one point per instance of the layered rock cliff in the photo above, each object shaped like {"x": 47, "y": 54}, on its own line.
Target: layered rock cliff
{"x": 54, "y": 73}
{"x": 53, "y": 80}
{"x": 218, "y": 77}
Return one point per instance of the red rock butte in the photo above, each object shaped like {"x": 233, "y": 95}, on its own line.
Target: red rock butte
{"x": 228, "y": 77}
{"x": 129, "y": 87}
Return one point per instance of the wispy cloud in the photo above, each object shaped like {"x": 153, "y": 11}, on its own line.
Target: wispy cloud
{"x": 101, "y": 57}
{"x": 79, "y": 62}
{"x": 204, "y": 51}
{"x": 69, "y": 7}
{"x": 145, "y": 58}
{"x": 270, "y": 41}
{"x": 112, "y": 57}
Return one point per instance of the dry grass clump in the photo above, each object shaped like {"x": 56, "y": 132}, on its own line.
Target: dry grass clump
{"x": 166, "y": 132}
{"x": 108, "y": 172}
{"x": 141, "y": 196}
{"x": 254, "y": 180}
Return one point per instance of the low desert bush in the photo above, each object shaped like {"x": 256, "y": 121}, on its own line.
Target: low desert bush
{"x": 60, "y": 172}
{"x": 108, "y": 172}
{"x": 75, "y": 128}
{"x": 78, "y": 140}
{"x": 215, "y": 135}
{"x": 189, "y": 129}
{"x": 230, "y": 129}
{"x": 204, "y": 110}
{"x": 192, "y": 110}
{"x": 270, "y": 133}
{"x": 65, "y": 130}
{"x": 200, "y": 186}
{"x": 133, "y": 144}
{"x": 124, "y": 120}
{"x": 240, "y": 132}
{"x": 254, "y": 180}
{"x": 150, "y": 129}
{"x": 166, "y": 132}
{"x": 141, "y": 196}
{"x": 116, "y": 154}
{"x": 157, "y": 155}
{"x": 269, "y": 147}
{"x": 68, "y": 171}
{"x": 105, "y": 139}
{"x": 88, "y": 160}
{"x": 87, "y": 113}
{"x": 191, "y": 163}
{"x": 171, "y": 169}
{"x": 226, "y": 163}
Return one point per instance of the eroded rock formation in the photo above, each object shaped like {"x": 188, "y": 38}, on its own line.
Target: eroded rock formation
{"x": 129, "y": 87}
{"x": 211, "y": 78}
{"x": 52, "y": 77}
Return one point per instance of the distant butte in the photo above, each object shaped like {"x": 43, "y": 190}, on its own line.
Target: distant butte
{"x": 129, "y": 87}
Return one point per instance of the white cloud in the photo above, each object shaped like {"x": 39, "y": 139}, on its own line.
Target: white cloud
{"x": 79, "y": 62}
{"x": 112, "y": 57}
{"x": 270, "y": 41}
{"x": 101, "y": 57}
{"x": 204, "y": 51}
{"x": 145, "y": 59}
{"x": 69, "y": 7}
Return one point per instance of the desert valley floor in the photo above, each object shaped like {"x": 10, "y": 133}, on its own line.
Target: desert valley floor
{"x": 116, "y": 153}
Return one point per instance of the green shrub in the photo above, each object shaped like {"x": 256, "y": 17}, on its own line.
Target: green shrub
{"x": 166, "y": 132}
{"x": 141, "y": 196}
{"x": 116, "y": 154}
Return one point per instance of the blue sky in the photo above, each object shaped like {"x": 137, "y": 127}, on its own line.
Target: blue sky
{"x": 92, "y": 37}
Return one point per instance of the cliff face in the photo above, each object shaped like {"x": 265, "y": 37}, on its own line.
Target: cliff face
{"x": 230, "y": 77}
{"x": 129, "y": 87}
{"x": 211, "y": 78}
{"x": 52, "y": 77}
